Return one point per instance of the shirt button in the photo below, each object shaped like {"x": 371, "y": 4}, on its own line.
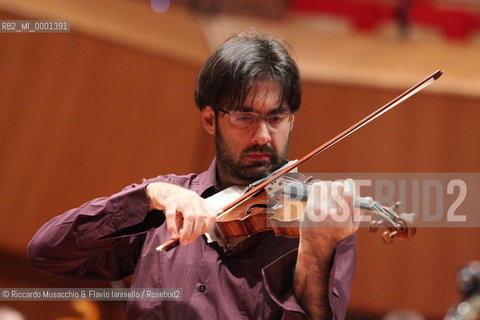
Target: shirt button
{"x": 202, "y": 288}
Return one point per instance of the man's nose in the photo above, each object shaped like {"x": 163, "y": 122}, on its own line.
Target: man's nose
{"x": 261, "y": 134}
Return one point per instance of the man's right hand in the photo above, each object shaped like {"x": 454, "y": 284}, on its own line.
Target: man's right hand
{"x": 187, "y": 214}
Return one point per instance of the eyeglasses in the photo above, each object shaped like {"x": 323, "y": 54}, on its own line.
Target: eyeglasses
{"x": 243, "y": 120}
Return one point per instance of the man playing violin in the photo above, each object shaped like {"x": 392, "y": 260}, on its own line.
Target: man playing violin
{"x": 248, "y": 92}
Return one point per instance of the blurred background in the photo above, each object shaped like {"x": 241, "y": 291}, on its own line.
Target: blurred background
{"x": 85, "y": 113}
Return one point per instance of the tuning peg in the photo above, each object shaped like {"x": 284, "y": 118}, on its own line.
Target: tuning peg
{"x": 388, "y": 237}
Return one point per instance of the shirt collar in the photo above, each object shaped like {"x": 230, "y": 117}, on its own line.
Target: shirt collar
{"x": 207, "y": 183}
{"x": 207, "y": 180}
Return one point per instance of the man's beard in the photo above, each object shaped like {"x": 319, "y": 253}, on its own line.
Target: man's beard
{"x": 247, "y": 172}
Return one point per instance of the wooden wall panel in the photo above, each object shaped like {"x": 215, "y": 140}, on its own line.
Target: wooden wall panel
{"x": 428, "y": 133}
{"x": 82, "y": 118}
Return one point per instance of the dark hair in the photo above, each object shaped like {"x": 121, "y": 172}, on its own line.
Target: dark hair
{"x": 241, "y": 62}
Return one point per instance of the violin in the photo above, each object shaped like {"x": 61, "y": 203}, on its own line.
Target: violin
{"x": 280, "y": 208}
{"x": 247, "y": 209}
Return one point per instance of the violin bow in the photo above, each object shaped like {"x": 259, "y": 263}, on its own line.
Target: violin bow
{"x": 259, "y": 185}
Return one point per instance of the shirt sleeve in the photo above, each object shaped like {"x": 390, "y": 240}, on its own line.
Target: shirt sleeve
{"x": 278, "y": 279}
{"x": 100, "y": 240}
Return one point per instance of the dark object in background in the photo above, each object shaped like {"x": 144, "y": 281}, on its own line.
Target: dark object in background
{"x": 468, "y": 280}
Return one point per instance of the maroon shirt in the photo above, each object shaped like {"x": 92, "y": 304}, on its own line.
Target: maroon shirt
{"x": 111, "y": 238}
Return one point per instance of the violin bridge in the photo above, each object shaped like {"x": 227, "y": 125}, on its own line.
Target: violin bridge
{"x": 274, "y": 187}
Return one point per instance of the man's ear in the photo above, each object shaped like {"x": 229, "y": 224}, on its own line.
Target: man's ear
{"x": 208, "y": 119}
{"x": 291, "y": 123}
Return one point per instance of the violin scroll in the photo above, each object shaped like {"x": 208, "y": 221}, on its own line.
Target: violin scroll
{"x": 399, "y": 226}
